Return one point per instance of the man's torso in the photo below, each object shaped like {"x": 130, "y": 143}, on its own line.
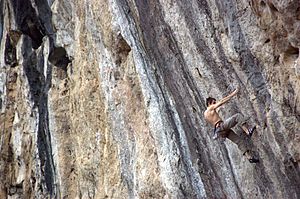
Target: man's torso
{"x": 212, "y": 116}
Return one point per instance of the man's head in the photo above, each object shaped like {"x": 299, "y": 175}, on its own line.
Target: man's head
{"x": 210, "y": 101}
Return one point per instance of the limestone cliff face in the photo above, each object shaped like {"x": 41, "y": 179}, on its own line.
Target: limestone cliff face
{"x": 105, "y": 99}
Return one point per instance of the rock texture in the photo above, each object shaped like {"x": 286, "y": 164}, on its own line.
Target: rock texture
{"x": 104, "y": 99}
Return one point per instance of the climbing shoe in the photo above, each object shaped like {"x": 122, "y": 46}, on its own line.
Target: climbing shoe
{"x": 251, "y": 157}
{"x": 254, "y": 160}
{"x": 251, "y": 131}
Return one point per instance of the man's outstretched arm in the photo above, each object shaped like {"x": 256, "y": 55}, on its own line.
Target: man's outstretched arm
{"x": 225, "y": 99}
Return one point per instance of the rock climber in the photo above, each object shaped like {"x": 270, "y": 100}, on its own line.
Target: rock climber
{"x": 223, "y": 128}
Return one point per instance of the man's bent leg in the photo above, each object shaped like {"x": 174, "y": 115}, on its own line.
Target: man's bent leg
{"x": 238, "y": 141}
{"x": 237, "y": 118}
{"x": 243, "y": 146}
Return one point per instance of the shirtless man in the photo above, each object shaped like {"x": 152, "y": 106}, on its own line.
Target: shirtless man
{"x": 223, "y": 129}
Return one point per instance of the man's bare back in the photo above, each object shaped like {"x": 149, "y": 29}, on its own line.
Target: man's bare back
{"x": 211, "y": 115}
